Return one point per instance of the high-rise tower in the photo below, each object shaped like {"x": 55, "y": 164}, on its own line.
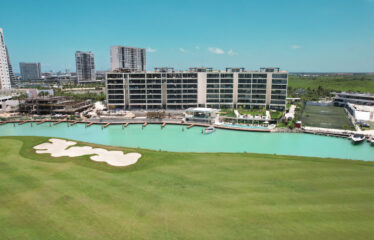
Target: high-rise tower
{"x": 85, "y": 65}
{"x": 4, "y": 67}
{"x": 127, "y": 58}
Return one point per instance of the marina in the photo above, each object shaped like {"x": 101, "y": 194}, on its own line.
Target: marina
{"x": 223, "y": 139}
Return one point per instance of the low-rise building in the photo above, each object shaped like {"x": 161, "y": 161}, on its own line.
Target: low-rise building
{"x": 53, "y": 105}
{"x": 165, "y": 88}
{"x": 361, "y": 112}
{"x": 341, "y": 99}
{"x": 9, "y": 106}
{"x": 201, "y": 115}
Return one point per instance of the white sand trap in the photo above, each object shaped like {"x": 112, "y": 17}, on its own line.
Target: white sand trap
{"x": 58, "y": 148}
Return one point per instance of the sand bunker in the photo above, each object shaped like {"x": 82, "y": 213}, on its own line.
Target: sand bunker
{"x": 58, "y": 148}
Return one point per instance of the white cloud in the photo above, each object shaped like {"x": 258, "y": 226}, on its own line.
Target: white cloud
{"x": 295, "y": 46}
{"x": 232, "y": 53}
{"x": 216, "y": 50}
{"x": 182, "y": 50}
{"x": 151, "y": 50}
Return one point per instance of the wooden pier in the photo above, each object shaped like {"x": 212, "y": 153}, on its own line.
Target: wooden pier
{"x": 73, "y": 123}
{"x": 59, "y": 121}
{"x": 23, "y": 122}
{"x": 145, "y": 124}
{"x": 40, "y": 122}
{"x": 190, "y": 126}
{"x": 163, "y": 125}
{"x": 106, "y": 125}
{"x": 89, "y": 124}
{"x": 125, "y": 125}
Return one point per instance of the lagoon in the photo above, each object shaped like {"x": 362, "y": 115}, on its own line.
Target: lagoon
{"x": 178, "y": 138}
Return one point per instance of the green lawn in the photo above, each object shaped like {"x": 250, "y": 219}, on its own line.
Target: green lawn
{"x": 182, "y": 196}
{"x": 359, "y": 83}
{"x": 326, "y": 117}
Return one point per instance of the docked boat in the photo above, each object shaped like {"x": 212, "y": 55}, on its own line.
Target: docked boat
{"x": 371, "y": 140}
{"x": 357, "y": 138}
{"x": 209, "y": 130}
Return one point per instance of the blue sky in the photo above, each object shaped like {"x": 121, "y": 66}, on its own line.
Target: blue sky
{"x": 296, "y": 35}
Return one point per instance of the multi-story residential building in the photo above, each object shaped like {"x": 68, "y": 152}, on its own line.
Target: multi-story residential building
{"x": 198, "y": 87}
{"x": 343, "y": 98}
{"x": 85, "y": 64}
{"x": 10, "y": 68}
{"x": 127, "y": 58}
{"x": 4, "y": 66}
{"x": 30, "y": 71}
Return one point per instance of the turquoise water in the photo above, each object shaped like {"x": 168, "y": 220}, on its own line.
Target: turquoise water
{"x": 172, "y": 138}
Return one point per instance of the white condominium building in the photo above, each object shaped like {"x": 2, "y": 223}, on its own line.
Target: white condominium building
{"x": 127, "y": 58}
{"x": 198, "y": 87}
{"x": 4, "y": 67}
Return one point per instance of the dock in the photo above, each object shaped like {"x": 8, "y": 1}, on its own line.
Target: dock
{"x": 59, "y": 121}
{"x": 23, "y": 122}
{"x": 190, "y": 126}
{"x": 89, "y": 124}
{"x": 125, "y": 125}
{"x": 40, "y": 122}
{"x": 73, "y": 123}
{"x": 145, "y": 124}
{"x": 163, "y": 125}
{"x": 106, "y": 125}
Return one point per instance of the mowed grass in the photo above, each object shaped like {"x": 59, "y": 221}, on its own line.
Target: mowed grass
{"x": 182, "y": 196}
{"x": 326, "y": 117}
{"x": 360, "y": 83}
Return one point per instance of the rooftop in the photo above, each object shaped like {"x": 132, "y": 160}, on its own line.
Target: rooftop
{"x": 362, "y": 108}
{"x": 205, "y": 69}
{"x": 354, "y": 94}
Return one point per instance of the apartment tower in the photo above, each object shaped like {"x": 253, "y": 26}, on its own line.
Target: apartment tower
{"x": 10, "y": 68}
{"x": 4, "y": 67}
{"x": 127, "y": 58}
{"x": 85, "y": 67}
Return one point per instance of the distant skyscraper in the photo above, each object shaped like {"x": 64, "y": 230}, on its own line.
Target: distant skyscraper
{"x": 4, "y": 67}
{"x": 10, "y": 68}
{"x": 85, "y": 64}
{"x": 30, "y": 71}
{"x": 128, "y": 58}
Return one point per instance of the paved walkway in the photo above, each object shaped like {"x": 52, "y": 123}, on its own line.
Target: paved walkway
{"x": 291, "y": 113}
{"x": 236, "y": 113}
{"x": 337, "y": 131}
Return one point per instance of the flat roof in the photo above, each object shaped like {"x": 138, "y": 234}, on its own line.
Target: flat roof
{"x": 189, "y": 71}
{"x": 354, "y": 94}
{"x": 362, "y": 108}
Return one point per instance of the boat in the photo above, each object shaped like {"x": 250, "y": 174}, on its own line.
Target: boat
{"x": 357, "y": 138}
{"x": 209, "y": 130}
{"x": 371, "y": 140}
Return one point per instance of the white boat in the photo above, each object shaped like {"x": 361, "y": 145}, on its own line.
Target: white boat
{"x": 371, "y": 140}
{"x": 357, "y": 138}
{"x": 209, "y": 130}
